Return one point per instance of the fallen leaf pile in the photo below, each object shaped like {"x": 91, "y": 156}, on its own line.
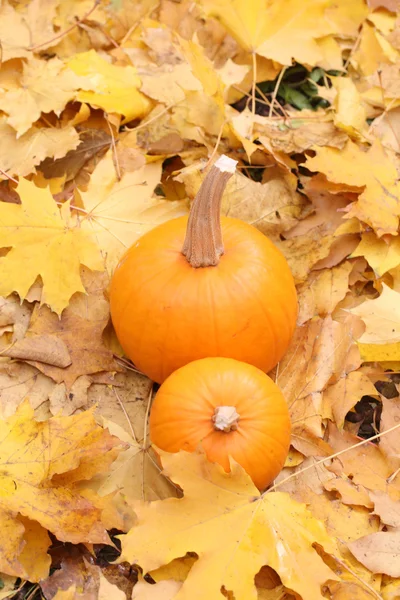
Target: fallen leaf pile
{"x": 110, "y": 110}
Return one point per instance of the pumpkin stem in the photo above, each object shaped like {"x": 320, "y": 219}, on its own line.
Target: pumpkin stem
{"x": 203, "y": 245}
{"x": 226, "y": 418}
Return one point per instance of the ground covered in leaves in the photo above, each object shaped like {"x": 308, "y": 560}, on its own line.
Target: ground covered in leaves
{"x": 109, "y": 113}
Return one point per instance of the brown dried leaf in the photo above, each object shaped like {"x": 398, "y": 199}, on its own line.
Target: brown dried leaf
{"x": 379, "y": 552}
{"x": 354, "y": 495}
{"x": 386, "y": 508}
{"x": 92, "y": 142}
{"x": 344, "y": 394}
{"x": 390, "y": 443}
{"x": 43, "y": 348}
{"x": 323, "y": 291}
{"x": 80, "y": 328}
{"x": 124, "y": 408}
{"x": 273, "y": 207}
{"x": 303, "y": 131}
{"x": 19, "y": 381}
{"x": 366, "y": 464}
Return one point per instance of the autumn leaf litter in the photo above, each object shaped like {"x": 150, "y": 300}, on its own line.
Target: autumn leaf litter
{"x": 110, "y": 111}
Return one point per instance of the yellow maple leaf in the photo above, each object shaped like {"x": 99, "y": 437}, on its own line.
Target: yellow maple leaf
{"x": 20, "y": 156}
{"x": 382, "y": 254}
{"x": 44, "y": 86}
{"x": 373, "y": 51}
{"x": 32, "y": 456}
{"x": 14, "y": 34}
{"x": 379, "y": 204}
{"x": 323, "y": 291}
{"x": 255, "y": 530}
{"x": 45, "y": 241}
{"x": 350, "y": 114}
{"x": 119, "y": 212}
{"x": 115, "y": 88}
{"x": 283, "y": 31}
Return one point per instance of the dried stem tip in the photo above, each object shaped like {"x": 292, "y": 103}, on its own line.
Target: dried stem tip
{"x": 203, "y": 245}
{"x": 226, "y": 418}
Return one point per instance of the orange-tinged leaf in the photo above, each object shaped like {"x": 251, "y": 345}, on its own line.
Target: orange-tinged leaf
{"x": 32, "y": 454}
{"x": 34, "y": 557}
{"x": 366, "y": 464}
{"x": 47, "y": 242}
{"x": 255, "y": 530}
{"x": 344, "y": 591}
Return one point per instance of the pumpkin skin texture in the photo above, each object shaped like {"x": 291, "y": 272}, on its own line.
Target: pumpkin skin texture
{"x": 167, "y": 313}
{"x": 182, "y": 416}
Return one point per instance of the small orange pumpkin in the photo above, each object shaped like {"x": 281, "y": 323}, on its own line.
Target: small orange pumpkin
{"x": 203, "y": 286}
{"x": 232, "y": 408}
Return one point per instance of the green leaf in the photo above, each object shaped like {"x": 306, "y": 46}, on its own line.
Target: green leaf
{"x": 294, "y": 97}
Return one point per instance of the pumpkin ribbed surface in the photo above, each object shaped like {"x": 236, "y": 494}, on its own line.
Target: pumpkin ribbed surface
{"x": 167, "y": 313}
{"x": 183, "y": 415}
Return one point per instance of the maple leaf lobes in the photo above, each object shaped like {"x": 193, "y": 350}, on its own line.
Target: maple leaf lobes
{"x": 45, "y": 241}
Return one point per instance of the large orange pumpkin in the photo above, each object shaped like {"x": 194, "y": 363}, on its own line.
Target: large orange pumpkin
{"x": 223, "y": 290}
{"x": 232, "y": 408}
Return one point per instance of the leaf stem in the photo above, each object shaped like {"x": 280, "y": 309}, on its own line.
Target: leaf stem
{"x": 67, "y": 31}
{"x": 274, "y": 487}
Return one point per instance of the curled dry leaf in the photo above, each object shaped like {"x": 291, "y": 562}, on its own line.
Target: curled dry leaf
{"x": 52, "y": 344}
{"x": 302, "y": 132}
